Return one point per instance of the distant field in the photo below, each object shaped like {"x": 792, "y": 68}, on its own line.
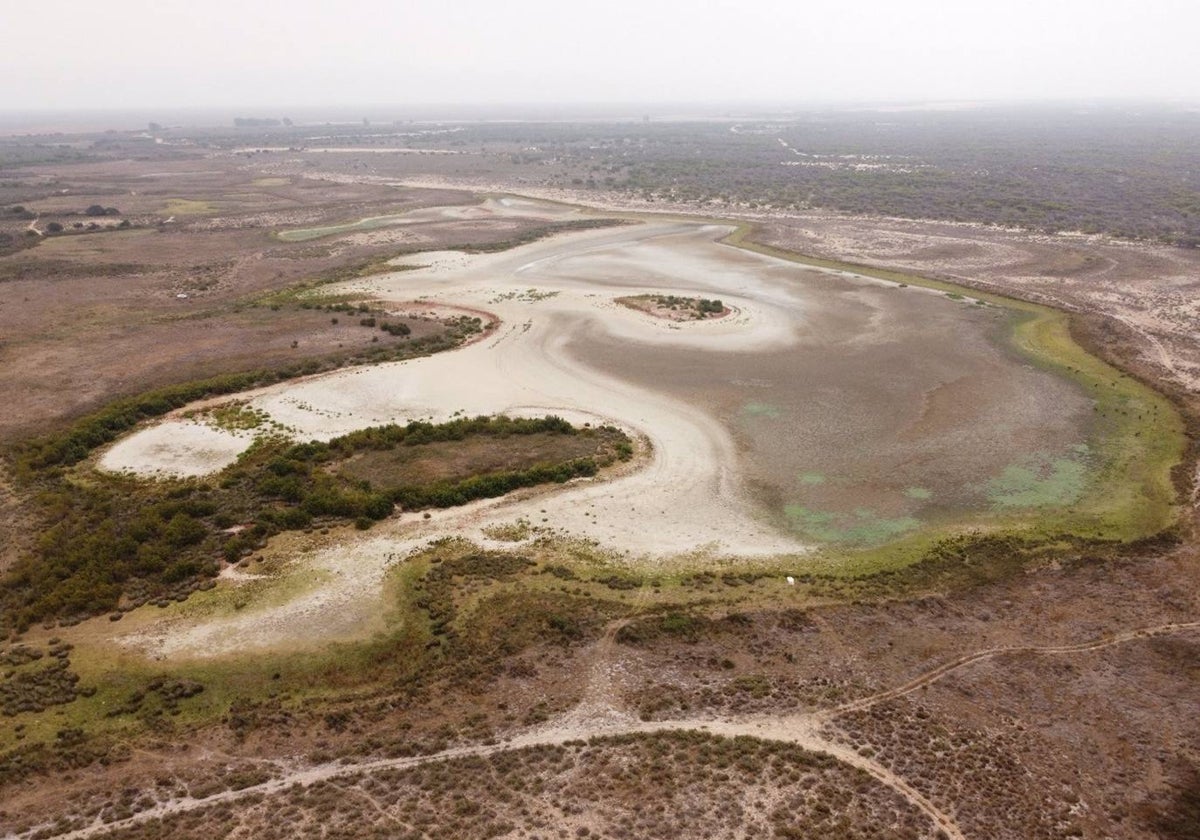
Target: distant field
{"x": 1129, "y": 173}
{"x": 305, "y": 234}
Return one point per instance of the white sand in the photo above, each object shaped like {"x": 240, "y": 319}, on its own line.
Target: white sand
{"x": 492, "y": 208}
{"x": 176, "y": 448}
{"x": 687, "y": 498}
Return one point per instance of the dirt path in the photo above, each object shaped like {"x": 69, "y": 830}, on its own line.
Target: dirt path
{"x": 804, "y": 731}
{"x": 602, "y": 703}
{"x": 601, "y": 714}
{"x": 990, "y": 653}
{"x": 801, "y": 731}
{"x": 1162, "y": 356}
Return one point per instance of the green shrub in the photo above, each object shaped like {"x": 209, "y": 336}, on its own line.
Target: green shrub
{"x": 114, "y": 537}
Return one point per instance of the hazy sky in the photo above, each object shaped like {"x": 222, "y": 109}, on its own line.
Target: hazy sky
{"x": 280, "y": 53}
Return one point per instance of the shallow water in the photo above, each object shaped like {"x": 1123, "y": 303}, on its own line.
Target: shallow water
{"x": 826, "y": 408}
{"x": 895, "y": 406}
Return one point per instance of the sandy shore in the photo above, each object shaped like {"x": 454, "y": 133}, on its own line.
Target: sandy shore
{"x": 178, "y": 448}
{"x": 690, "y": 495}
{"x": 687, "y": 498}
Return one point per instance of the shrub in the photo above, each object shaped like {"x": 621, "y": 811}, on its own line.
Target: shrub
{"x": 395, "y": 329}
{"x": 116, "y": 538}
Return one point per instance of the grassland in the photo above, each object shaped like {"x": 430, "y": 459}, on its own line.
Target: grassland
{"x": 188, "y": 207}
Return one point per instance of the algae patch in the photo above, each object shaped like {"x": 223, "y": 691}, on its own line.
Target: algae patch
{"x": 761, "y": 409}
{"x": 863, "y": 526}
{"x": 1038, "y": 482}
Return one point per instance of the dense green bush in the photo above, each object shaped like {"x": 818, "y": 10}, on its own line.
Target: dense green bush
{"x": 449, "y": 494}
{"x": 111, "y": 542}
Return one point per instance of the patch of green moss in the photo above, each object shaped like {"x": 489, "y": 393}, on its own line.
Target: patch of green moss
{"x": 1038, "y": 482}
{"x": 863, "y": 526}
{"x": 761, "y": 409}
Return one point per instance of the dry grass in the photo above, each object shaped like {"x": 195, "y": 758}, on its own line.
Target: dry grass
{"x": 456, "y": 460}
{"x": 677, "y": 785}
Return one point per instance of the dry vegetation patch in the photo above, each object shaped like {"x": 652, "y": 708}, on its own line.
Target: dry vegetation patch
{"x": 113, "y": 542}
{"x": 457, "y": 460}
{"x": 977, "y": 775}
{"x": 661, "y": 786}
{"x": 676, "y": 307}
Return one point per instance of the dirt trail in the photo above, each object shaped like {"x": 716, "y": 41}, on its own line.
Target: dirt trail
{"x": 804, "y": 731}
{"x": 1162, "y": 356}
{"x": 600, "y": 714}
{"x": 990, "y": 653}
{"x": 591, "y": 719}
{"x": 602, "y": 703}
{"x": 805, "y": 736}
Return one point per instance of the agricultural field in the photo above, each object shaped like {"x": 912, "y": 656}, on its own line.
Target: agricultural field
{"x": 518, "y": 480}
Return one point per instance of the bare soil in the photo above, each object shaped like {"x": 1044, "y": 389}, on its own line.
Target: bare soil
{"x": 90, "y": 316}
{"x": 1059, "y": 702}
